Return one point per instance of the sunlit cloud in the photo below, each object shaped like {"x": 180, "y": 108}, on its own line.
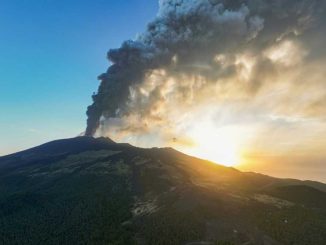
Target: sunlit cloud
{"x": 235, "y": 85}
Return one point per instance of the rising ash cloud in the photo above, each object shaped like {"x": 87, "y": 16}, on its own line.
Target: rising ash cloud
{"x": 195, "y": 52}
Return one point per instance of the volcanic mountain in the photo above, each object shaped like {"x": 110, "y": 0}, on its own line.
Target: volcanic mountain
{"x": 95, "y": 191}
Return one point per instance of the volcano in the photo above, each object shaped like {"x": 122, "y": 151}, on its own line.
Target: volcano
{"x": 88, "y": 190}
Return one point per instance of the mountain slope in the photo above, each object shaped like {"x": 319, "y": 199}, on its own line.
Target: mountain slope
{"x": 94, "y": 191}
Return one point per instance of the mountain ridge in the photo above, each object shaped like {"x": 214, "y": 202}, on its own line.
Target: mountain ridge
{"x": 95, "y": 191}
{"x": 68, "y": 146}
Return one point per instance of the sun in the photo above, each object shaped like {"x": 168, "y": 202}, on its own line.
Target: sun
{"x": 220, "y": 145}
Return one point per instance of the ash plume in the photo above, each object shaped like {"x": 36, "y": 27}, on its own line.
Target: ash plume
{"x": 197, "y": 43}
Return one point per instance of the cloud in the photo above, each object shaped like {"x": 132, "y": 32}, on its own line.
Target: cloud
{"x": 246, "y": 62}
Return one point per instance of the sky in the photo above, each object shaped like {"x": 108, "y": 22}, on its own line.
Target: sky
{"x": 238, "y": 84}
{"x": 51, "y": 54}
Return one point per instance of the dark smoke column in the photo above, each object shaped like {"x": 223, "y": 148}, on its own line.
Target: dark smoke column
{"x": 93, "y": 120}
{"x": 129, "y": 64}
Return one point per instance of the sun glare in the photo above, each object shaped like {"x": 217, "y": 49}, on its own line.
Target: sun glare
{"x": 220, "y": 145}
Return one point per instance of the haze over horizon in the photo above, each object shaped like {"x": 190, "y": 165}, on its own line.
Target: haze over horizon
{"x": 229, "y": 85}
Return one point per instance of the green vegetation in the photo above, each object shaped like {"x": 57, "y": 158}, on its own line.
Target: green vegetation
{"x": 114, "y": 194}
{"x": 69, "y": 207}
{"x": 170, "y": 227}
{"x": 292, "y": 225}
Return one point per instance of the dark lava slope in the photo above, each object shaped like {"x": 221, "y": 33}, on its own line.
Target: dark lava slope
{"x": 95, "y": 191}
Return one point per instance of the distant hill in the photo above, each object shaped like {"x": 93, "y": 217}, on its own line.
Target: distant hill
{"x": 94, "y": 191}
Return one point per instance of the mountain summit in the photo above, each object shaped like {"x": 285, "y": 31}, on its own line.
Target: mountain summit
{"x": 95, "y": 191}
